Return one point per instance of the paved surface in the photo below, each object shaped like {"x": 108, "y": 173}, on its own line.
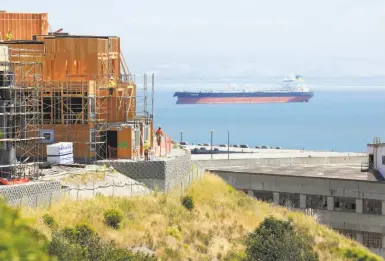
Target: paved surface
{"x": 340, "y": 171}
{"x": 269, "y": 153}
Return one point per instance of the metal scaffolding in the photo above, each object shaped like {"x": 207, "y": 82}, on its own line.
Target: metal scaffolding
{"x": 20, "y": 121}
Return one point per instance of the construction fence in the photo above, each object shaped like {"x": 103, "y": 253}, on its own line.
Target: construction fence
{"x": 44, "y": 194}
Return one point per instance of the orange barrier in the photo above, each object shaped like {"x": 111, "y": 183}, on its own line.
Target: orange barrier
{"x": 13, "y": 181}
{"x": 165, "y": 147}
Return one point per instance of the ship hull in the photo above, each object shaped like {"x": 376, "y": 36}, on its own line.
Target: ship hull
{"x": 240, "y": 100}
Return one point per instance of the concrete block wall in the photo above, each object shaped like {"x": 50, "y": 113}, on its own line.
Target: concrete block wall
{"x": 33, "y": 194}
{"x": 163, "y": 174}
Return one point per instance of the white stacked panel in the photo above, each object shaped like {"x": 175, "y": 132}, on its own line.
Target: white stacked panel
{"x": 60, "y": 153}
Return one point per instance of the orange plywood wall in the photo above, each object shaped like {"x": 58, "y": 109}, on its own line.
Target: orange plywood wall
{"x": 23, "y": 25}
{"x": 81, "y": 58}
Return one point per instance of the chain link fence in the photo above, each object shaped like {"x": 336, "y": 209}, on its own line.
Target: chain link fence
{"x": 24, "y": 195}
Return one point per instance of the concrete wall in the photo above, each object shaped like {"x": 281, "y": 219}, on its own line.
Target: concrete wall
{"x": 319, "y": 186}
{"x": 164, "y": 174}
{"x": 33, "y": 194}
{"x": 278, "y": 161}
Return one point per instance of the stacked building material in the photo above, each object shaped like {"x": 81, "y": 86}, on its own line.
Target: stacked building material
{"x": 60, "y": 153}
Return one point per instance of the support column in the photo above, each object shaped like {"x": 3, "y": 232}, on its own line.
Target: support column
{"x": 359, "y": 205}
{"x": 383, "y": 208}
{"x": 331, "y": 203}
{"x": 276, "y": 198}
{"x": 302, "y": 201}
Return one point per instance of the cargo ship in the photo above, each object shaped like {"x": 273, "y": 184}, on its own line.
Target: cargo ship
{"x": 292, "y": 90}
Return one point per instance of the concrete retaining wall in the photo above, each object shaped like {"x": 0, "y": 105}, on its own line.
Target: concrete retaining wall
{"x": 277, "y": 161}
{"x": 33, "y": 194}
{"x": 161, "y": 174}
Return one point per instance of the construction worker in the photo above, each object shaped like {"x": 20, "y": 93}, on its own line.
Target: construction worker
{"x": 111, "y": 85}
{"x": 8, "y": 36}
{"x": 159, "y": 134}
{"x": 146, "y": 147}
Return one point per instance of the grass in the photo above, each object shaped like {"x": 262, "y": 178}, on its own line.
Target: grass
{"x": 215, "y": 228}
{"x": 83, "y": 178}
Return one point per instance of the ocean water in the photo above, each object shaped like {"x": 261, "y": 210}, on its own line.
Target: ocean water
{"x": 337, "y": 118}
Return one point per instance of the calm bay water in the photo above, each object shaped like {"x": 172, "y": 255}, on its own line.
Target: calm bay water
{"x": 335, "y": 119}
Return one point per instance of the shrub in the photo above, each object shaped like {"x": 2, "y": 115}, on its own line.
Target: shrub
{"x": 188, "y": 202}
{"x": 113, "y": 217}
{"x": 49, "y": 220}
{"x": 17, "y": 240}
{"x": 82, "y": 243}
{"x": 276, "y": 240}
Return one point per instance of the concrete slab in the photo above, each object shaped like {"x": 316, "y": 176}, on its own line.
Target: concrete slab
{"x": 334, "y": 171}
{"x": 270, "y": 153}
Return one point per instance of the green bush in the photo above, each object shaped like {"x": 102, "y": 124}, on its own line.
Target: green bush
{"x": 49, "y": 221}
{"x": 276, "y": 240}
{"x": 82, "y": 243}
{"x": 113, "y": 217}
{"x": 188, "y": 202}
{"x": 17, "y": 240}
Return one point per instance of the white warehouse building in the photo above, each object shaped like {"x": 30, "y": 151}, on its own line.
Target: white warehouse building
{"x": 346, "y": 196}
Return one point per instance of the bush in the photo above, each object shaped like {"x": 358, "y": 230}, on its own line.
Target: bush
{"x": 188, "y": 202}
{"x": 113, "y": 217}
{"x": 17, "y": 240}
{"x": 49, "y": 221}
{"x": 82, "y": 243}
{"x": 276, "y": 240}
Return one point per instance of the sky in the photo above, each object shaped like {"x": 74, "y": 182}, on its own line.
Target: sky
{"x": 243, "y": 39}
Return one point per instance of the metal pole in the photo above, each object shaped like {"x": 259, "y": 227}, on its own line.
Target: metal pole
{"x": 211, "y": 131}
{"x": 181, "y": 136}
{"x": 228, "y": 144}
{"x": 153, "y": 85}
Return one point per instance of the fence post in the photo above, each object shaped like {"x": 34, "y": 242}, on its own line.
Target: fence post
{"x": 113, "y": 188}
{"x": 93, "y": 188}
{"x": 36, "y": 201}
{"x": 50, "y": 200}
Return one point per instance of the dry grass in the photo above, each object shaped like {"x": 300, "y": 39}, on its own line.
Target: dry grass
{"x": 216, "y": 227}
{"x": 83, "y": 178}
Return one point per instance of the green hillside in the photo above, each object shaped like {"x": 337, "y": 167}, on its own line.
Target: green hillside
{"x": 217, "y": 226}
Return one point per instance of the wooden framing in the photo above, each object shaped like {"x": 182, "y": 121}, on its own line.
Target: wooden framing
{"x": 23, "y": 25}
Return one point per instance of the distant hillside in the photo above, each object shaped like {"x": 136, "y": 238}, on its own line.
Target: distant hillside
{"x": 216, "y": 227}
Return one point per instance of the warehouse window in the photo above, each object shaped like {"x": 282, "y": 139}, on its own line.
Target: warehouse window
{"x": 383, "y": 160}
{"x": 344, "y": 204}
{"x": 92, "y": 140}
{"x": 372, "y": 206}
{"x": 266, "y": 196}
{"x": 316, "y": 202}
{"x": 351, "y": 234}
{"x": 289, "y": 200}
{"x": 373, "y": 240}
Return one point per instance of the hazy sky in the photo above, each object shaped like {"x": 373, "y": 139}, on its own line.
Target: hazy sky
{"x": 222, "y": 38}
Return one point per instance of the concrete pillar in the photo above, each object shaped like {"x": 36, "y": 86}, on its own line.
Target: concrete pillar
{"x": 302, "y": 201}
{"x": 276, "y": 198}
{"x": 359, "y": 205}
{"x": 250, "y": 193}
{"x": 331, "y": 203}
{"x": 359, "y": 237}
{"x": 383, "y": 208}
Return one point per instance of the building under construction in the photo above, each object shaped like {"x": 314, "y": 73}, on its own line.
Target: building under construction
{"x": 56, "y": 87}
